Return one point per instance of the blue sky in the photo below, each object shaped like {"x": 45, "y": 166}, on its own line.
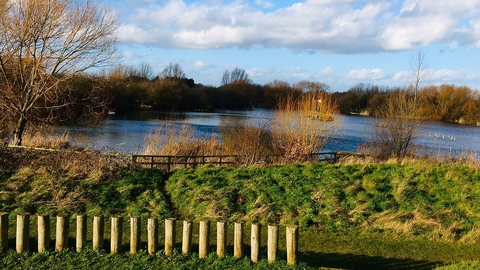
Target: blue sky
{"x": 337, "y": 42}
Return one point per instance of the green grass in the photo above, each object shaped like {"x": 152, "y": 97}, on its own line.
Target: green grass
{"x": 89, "y": 259}
{"x": 378, "y": 216}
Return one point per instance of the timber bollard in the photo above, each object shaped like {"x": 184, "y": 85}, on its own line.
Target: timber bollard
{"x": 116, "y": 235}
{"x": 81, "y": 232}
{"x": 203, "y": 239}
{"x": 61, "y": 233}
{"x": 238, "y": 240}
{"x": 292, "y": 244}
{"x": 135, "y": 234}
{"x": 152, "y": 231}
{"x": 170, "y": 230}
{"x": 272, "y": 245}
{"x": 221, "y": 238}
{"x": 23, "y": 232}
{"x": 43, "y": 229}
{"x": 3, "y": 231}
{"x": 255, "y": 243}
{"x": 98, "y": 232}
{"x": 187, "y": 237}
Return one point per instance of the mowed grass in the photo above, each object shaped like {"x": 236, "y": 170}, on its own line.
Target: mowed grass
{"x": 416, "y": 215}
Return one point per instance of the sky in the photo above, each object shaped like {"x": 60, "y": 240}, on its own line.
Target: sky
{"x": 337, "y": 42}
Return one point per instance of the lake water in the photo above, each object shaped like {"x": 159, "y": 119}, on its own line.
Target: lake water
{"x": 126, "y": 132}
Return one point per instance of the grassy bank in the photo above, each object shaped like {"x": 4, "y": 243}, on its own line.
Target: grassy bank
{"x": 416, "y": 215}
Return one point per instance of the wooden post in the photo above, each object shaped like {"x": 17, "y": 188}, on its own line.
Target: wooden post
{"x": 272, "y": 243}
{"x": 170, "y": 224}
{"x": 221, "y": 238}
{"x": 238, "y": 240}
{"x": 292, "y": 244}
{"x": 61, "y": 233}
{"x": 43, "y": 229}
{"x": 255, "y": 243}
{"x": 98, "y": 232}
{"x": 81, "y": 232}
{"x": 203, "y": 239}
{"x": 3, "y": 231}
{"x": 116, "y": 234}
{"x": 135, "y": 234}
{"x": 23, "y": 232}
{"x": 152, "y": 230}
{"x": 187, "y": 236}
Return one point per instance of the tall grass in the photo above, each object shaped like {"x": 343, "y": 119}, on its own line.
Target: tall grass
{"x": 250, "y": 140}
{"x": 43, "y": 137}
{"x": 304, "y": 125}
{"x": 170, "y": 139}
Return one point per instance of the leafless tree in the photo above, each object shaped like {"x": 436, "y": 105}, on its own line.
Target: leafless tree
{"x": 393, "y": 135}
{"x": 394, "y": 132}
{"x": 43, "y": 45}
{"x": 237, "y": 75}
{"x": 173, "y": 71}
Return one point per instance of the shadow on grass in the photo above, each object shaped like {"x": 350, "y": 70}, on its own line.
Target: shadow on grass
{"x": 352, "y": 261}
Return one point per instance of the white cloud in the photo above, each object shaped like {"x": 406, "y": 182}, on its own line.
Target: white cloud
{"x": 328, "y": 70}
{"x": 264, "y": 3}
{"x": 367, "y": 74}
{"x": 404, "y": 77}
{"x": 319, "y": 25}
{"x": 203, "y": 65}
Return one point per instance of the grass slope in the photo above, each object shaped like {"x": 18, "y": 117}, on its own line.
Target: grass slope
{"x": 416, "y": 215}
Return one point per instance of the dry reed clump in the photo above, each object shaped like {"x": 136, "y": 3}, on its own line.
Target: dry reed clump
{"x": 171, "y": 140}
{"x": 44, "y": 137}
{"x": 303, "y": 125}
{"x": 250, "y": 140}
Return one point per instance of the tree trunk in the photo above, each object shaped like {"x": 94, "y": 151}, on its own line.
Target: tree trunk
{"x": 18, "y": 132}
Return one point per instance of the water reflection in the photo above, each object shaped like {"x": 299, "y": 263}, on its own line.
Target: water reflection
{"x": 126, "y": 132}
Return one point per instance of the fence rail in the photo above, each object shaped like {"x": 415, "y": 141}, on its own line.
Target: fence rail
{"x": 22, "y": 236}
{"x": 167, "y": 163}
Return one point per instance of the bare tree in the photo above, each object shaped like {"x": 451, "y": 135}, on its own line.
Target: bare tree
{"x": 173, "y": 71}
{"x": 237, "y": 75}
{"x": 312, "y": 87}
{"x": 394, "y": 135}
{"x": 145, "y": 71}
{"x": 45, "y": 43}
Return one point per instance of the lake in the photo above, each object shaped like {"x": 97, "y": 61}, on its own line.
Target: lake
{"x": 126, "y": 132}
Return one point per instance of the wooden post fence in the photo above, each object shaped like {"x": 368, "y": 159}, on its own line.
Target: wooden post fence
{"x": 3, "y": 231}
{"x": 98, "y": 232}
{"x": 221, "y": 238}
{"x": 272, "y": 245}
{"x": 62, "y": 231}
{"x": 135, "y": 234}
{"x": 43, "y": 231}
{"x": 81, "y": 232}
{"x": 116, "y": 234}
{"x": 152, "y": 231}
{"x": 255, "y": 243}
{"x": 187, "y": 237}
{"x": 238, "y": 240}
{"x": 292, "y": 244}
{"x": 23, "y": 232}
{"x": 169, "y": 236}
{"x": 203, "y": 239}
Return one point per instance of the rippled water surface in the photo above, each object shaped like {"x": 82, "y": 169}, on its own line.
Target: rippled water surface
{"x": 126, "y": 133}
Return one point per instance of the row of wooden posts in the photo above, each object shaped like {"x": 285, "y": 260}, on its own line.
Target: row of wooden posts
{"x": 62, "y": 230}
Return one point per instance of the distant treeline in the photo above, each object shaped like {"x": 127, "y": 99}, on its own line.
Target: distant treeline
{"x": 129, "y": 89}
